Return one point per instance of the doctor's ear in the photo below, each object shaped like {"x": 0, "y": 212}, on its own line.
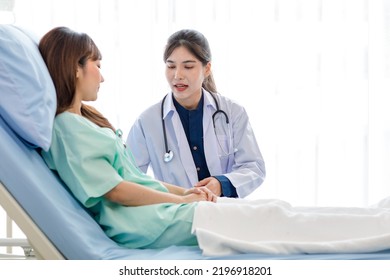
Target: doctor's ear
{"x": 207, "y": 71}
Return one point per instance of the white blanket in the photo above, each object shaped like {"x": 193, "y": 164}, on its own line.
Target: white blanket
{"x": 233, "y": 226}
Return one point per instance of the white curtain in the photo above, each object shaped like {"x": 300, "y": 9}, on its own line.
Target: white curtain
{"x": 312, "y": 74}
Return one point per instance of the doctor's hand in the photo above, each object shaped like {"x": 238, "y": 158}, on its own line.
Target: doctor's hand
{"x": 200, "y": 194}
{"x": 212, "y": 184}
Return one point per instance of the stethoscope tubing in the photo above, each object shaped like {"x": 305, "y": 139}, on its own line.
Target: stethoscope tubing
{"x": 168, "y": 153}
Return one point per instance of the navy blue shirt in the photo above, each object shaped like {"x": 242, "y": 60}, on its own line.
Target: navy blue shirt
{"x": 194, "y": 119}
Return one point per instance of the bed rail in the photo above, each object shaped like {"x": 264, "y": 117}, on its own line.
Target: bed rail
{"x": 36, "y": 238}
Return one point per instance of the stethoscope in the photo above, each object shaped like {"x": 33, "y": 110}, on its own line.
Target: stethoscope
{"x": 168, "y": 153}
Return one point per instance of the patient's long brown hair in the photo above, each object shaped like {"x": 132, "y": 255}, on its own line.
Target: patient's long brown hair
{"x": 63, "y": 50}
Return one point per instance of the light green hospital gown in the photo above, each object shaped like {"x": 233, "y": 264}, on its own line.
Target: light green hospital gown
{"x": 91, "y": 161}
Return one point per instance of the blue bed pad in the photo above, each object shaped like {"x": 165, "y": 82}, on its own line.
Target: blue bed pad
{"x": 69, "y": 226}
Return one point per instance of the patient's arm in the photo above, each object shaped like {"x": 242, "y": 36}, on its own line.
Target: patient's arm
{"x": 174, "y": 189}
{"x": 132, "y": 194}
{"x": 182, "y": 191}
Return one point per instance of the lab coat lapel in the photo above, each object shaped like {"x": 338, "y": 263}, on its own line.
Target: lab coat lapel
{"x": 183, "y": 150}
{"x": 209, "y": 139}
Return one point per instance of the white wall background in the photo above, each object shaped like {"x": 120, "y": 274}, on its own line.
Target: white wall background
{"x": 313, "y": 75}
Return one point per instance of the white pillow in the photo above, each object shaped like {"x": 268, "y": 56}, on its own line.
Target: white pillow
{"x": 27, "y": 94}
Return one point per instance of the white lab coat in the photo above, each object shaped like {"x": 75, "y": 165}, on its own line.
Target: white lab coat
{"x": 240, "y": 159}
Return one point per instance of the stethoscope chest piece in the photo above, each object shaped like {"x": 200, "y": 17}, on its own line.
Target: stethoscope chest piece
{"x": 168, "y": 156}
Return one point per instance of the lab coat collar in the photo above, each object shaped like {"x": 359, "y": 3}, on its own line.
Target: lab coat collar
{"x": 168, "y": 105}
{"x": 209, "y": 100}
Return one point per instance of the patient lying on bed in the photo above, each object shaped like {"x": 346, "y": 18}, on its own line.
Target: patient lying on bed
{"x": 138, "y": 211}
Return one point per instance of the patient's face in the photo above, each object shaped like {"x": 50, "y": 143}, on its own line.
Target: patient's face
{"x": 88, "y": 80}
{"x": 185, "y": 75}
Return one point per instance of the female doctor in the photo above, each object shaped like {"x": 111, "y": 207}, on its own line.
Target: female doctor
{"x": 194, "y": 136}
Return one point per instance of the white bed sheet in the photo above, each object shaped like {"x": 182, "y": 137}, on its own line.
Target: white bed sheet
{"x": 234, "y": 226}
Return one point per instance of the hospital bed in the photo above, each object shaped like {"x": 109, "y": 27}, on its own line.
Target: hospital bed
{"x": 56, "y": 225}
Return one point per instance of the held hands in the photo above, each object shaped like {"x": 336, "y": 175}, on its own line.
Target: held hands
{"x": 182, "y": 195}
{"x": 199, "y": 194}
{"x": 212, "y": 184}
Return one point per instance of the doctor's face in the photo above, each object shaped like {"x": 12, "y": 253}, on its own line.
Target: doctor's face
{"x": 185, "y": 74}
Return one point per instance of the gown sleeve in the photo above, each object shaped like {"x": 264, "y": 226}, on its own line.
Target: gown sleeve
{"x": 84, "y": 156}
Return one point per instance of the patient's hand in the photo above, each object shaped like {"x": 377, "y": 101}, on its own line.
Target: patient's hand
{"x": 212, "y": 184}
{"x": 200, "y": 194}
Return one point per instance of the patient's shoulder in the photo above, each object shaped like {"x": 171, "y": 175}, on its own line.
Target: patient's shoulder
{"x": 77, "y": 127}
{"x": 79, "y": 136}
{"x": 73, "y": 122}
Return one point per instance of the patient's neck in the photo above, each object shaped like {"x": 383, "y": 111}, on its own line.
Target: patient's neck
{"x": 75, "y": 110}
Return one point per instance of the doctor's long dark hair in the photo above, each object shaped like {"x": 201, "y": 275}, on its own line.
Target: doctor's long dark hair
{"x": 63, "y": 50}
{"x": 196, "y": 43}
